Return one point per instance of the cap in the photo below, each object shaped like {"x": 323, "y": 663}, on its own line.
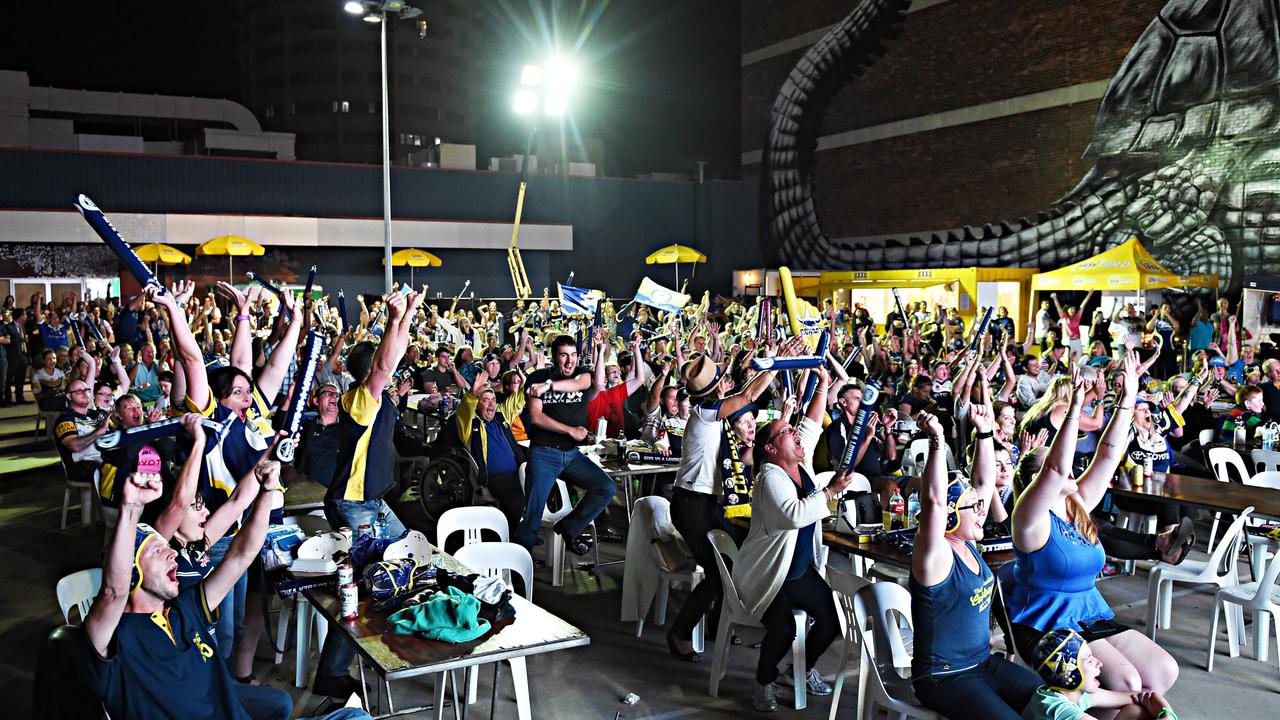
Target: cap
{"x": 700, "y": 375}
{"x": 1057, "y": 659}
{"x": 1099, "y": 361}
{"x": 491, "y": 357}
{"x": 149, "y": 460}
{"x": 142, "y": 535}
{"x": 1217, "y": 361}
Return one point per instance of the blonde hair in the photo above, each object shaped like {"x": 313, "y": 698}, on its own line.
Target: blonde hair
{"x": 1029, "y": 466}
{"x": 1059, "y": 391}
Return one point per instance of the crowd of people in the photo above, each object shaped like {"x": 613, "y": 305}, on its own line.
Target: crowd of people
{"x": 1023, "y": 439}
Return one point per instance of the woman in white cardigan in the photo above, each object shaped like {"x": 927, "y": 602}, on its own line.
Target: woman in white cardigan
{"x": 776, "y": 570}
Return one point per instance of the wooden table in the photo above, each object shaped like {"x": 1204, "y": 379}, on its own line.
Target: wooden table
{"x": 396, "y": 657}
{"x": 1204, "y": 493}
{"x": 886, "y": 553}
{"x": 303, "y": 496}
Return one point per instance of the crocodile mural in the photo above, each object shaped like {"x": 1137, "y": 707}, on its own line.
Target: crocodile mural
{"x": 1186, "y": 153}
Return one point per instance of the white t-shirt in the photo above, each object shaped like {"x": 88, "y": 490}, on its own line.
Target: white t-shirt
{"x": 700, "y": 451}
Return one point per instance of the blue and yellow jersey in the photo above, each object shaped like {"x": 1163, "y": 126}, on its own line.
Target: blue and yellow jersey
{"x": 366, "y": 453}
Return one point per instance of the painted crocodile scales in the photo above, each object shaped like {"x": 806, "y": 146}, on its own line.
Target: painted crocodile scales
{"x": 1185, "y": 146}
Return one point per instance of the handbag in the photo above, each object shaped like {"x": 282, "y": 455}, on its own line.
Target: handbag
{"x": 281, "y": 543}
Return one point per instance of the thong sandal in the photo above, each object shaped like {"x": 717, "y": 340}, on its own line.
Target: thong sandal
{"x": 1180, "y": 542}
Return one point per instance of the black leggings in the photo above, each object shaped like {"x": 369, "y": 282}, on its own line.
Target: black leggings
{"x": 809, "y": 593}
{"x": 1126, "y": 544}
{"x": 1167, "y": 512}
{"x": 506, "y": 489}
{"x": 994, "y": 690}
{"x": 694, "y": 514}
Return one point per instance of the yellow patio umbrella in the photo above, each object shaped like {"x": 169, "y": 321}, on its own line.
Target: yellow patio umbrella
{"x": 230, "y": 245}
{"x": 674, "y": 255}
{"x": 161, "y": 254}
{"x": 414, "y": 258}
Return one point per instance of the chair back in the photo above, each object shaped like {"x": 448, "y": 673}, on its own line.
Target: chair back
{"x": 726, "y": 548}
{"x": 501, "y": 559}
{"x": 1262, "y": 600}
{"x": 916, "y": 455}
{"x": 1266, "y": 478}
{"x": 1222, "y": 561}
{"x": 78, "y": 590}
{"x": 470, "y": 521}
{"x": 884, "y": 608}
{"x": 860, "y": 483}
{"x": 1004, "y": 581}
{"x": 1206, "y": 436}
{"x": 846, "y": 584}
{"x": 1224, "y": 459}
{"x": 1265, "y": 460}
{"x": 823, "y": 477}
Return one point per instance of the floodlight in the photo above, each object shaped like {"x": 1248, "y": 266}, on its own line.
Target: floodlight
{"x": 561, "y": 74}
{"x": 354, "y": 7}
{"x": 371, "y": 18}
{"x": 531, "y": 76}
{"x": 526, "y": 101}
{"x": 556, "y": 104}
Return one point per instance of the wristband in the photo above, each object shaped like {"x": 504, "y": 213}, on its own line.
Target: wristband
{"x": 1167, "y": 713}
{"x": 985, "y": 435}
{"x": 242, "y": 318}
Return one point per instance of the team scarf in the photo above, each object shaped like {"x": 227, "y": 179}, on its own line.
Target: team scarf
{"x": 735, "y": 481}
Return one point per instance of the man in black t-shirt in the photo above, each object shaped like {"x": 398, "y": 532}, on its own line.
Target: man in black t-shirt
{"x": 556, "y": 425}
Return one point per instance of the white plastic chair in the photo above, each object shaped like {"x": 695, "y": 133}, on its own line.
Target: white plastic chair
{"x": 669, "y": 578}
{"x": 1265, "y": 460}
{"x": 470, "y": 521}
{"x": 733, "y": 613}
{"x": 1261, "y": 598}
{"x": 88, "y": 494}
{"x": 883, "y": 608}
{"x": 1258, "y": 546}
{"x": 918, "y": 452}
{"x": 1222, "y": 460}
{"x": 78, "y": 590}
{"x": 501, "y": 559}
{"x": 555, "y": 547}
{"x": 1220, "y": 570}
{"x": 845, "y": 585}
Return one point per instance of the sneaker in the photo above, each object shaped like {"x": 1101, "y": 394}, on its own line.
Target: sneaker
{"x": 814, "y": 684}
{"x": 766, "y": 698}
{"x": 580, "y": 545}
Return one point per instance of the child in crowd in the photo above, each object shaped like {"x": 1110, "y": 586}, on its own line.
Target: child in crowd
{"x": 1070, "y": 672}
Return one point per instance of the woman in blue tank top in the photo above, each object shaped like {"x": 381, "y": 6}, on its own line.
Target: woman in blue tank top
{"x": 1057, "y": 551}
{"x": 952, "y": 668}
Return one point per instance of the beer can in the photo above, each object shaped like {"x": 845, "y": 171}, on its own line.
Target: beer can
{"x": 350, "y": 601}
{"x": 365, "y": 529}
{"x": 1138, "y": 477}
{"x": 346, "y": 574}
{"x": 345, "y": 532}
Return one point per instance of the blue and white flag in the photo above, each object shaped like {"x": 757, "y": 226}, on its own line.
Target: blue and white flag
{"x": 579, "y": 301}
{"x": 656, "y": 296}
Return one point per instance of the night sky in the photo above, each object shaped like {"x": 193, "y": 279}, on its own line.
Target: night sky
{"x": 659, "y": 78}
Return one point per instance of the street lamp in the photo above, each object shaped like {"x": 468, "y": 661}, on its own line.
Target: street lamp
{"x": 549, "y": 89}
{"x": 375, "y": 11}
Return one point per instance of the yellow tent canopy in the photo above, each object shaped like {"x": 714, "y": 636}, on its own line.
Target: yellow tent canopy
{"x": 162, "y": 254}
{"x": 414, "y": 258}
{"x": 230, "y": 245}
{"x": 1127, "y": 266}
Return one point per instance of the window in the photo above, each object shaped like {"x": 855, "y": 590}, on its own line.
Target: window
{"x": 341, "y": 106}
{"x": 270, "y": 111}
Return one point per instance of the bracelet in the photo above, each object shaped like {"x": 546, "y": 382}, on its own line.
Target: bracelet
{"x": 1167, "y": 713}
{"x": 242, "y": 318}
{"x": 1125, "y": 407}
{"x": 985, "y": 435}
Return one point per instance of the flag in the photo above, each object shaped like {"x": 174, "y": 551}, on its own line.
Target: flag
{"x": 805, "y": 318}
{"x": 656, "y": 296}
{"x": 579, "y": 301}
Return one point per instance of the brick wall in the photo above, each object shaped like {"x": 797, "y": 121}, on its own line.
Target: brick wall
{"x": 956, "y": 54}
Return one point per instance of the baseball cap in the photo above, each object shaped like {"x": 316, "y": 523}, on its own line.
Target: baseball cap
{"x": 1217, "y": 361}
{"x": 1100, "y": 361}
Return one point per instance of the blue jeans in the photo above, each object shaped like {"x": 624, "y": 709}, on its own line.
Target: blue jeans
{"x": 230, "y": 627}
{"x": 354, "y": 513}
{"x": 261, "y": 702}
{"x": 545, "y": 465}
{"x": 337, "y": 653}
{"x": 345, "y": 714}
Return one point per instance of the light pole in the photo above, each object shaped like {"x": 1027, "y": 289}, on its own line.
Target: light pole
{"x": 548, "y": 91}
{"x": 375, "y": 11}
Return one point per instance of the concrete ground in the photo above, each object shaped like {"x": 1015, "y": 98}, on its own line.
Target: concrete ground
{"x": 585, "y": 683}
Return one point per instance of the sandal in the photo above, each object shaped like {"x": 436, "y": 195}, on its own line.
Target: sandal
{"x": 1181, "y": 540}
{"x": 248, "y": 680}
{"x": 691, "y": 656}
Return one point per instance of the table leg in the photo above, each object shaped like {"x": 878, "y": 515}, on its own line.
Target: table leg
{"x": 364, "y": 689}
{"x": 628, "y": 493}
{"x": 520, "y": 680}
{"x": 302, "y": 639}
{"x": 437, "y": 700}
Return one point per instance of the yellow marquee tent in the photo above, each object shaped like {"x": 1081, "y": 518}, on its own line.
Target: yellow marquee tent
{"x": 1125, "y": 267}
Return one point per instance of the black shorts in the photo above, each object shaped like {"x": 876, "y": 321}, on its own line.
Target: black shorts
{"x": 1025, "y": 637}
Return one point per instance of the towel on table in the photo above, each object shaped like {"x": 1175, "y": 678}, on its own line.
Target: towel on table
{"x": 452, "y": 616}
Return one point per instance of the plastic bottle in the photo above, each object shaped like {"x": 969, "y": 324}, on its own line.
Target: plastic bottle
{"x": 913, "y": 510}
{"x": 1148, "y": 469}
{"x": 380, "y": 528}
{"x": 897, "y": 511}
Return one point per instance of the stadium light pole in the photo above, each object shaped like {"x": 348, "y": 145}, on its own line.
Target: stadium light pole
{"x": 376, "y": 11}
{"x": 546, "y": 90}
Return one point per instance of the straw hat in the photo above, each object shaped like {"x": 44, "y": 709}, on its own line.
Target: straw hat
{"x": 701, "y": 376}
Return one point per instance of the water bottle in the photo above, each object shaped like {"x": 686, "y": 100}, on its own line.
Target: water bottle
{"x": 913, "y": 510}
{"x": 380, "y": 528}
